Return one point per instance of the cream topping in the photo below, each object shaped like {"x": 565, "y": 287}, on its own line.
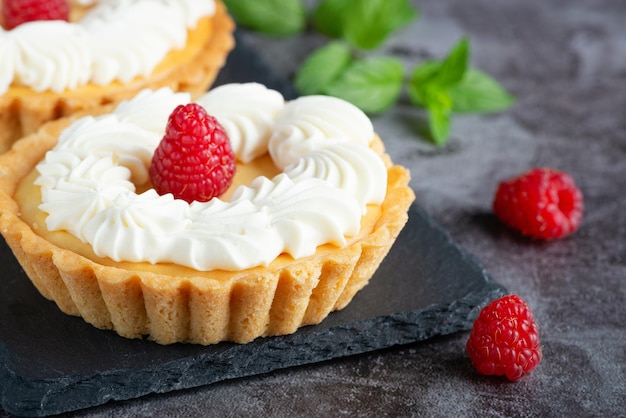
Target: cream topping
{"x": 115, "y": 40}
{"x": 88, "y": 184}
{"x": 326, "y": 137}
{"x": 247, "y": 122}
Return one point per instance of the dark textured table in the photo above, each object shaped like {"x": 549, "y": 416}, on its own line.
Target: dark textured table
{"x": 566, "y": 63}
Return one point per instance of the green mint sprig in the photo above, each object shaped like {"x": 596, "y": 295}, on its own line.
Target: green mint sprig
{"x": 448, "y": 86}
{"x": 346, "y": 66}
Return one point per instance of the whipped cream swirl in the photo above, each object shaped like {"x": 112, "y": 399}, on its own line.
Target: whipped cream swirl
{"x": 115, "y": 40}
{"x": 88, "y": 182}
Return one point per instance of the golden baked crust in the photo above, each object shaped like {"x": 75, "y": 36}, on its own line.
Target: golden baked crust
{"x": 193, "y": 70}
{"x": 173, "y": 304}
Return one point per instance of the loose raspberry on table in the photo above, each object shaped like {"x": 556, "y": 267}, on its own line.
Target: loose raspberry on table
{"x": 194, "y": 161}
{"x": 504, "y": 340}
{"x": 16, "y": 12}
{"x": 542, "y": 203}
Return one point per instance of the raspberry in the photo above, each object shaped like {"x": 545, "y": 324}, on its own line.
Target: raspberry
{"x": 542, "y": 203}
{"x": 16, "y": 12}
{"x": 194, "y": 160}
{"x": 504, "y": 340}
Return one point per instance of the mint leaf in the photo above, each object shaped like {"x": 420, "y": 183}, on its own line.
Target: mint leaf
{"x": 373, "y": 85}
{"x": 479, "y": 92}
{"x": 453, "y": 67}
{"x": 447, "y": 86}
{"x": 439, "y": 124}
{"x": 272, "y": 17}
{"x": 421, "y": 79}
{"x": 328, "y": 17}
{"x": 322, "y": 67}
{"x": 444, "y": 74}
{"x": 439, "y": 105}
{"x": 436, "y": 97}
{"x": 475, "y": 92}
{"x": 369, "y": 22}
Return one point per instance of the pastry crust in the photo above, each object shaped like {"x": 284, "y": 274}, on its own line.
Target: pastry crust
{"x": 193, "y": 70}
{"x": 172, "y": 304}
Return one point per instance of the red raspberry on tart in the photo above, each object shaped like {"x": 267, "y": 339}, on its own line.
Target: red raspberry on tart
{"x": 194, "y": 160}
{"x": 16, "y": 12}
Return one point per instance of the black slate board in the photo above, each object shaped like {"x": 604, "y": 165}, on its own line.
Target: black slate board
{"x": 52, "y": 363}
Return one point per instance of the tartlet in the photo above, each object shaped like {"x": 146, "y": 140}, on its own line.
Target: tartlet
{"x": 191, "y": 67}
{"x": 333, "y": 219}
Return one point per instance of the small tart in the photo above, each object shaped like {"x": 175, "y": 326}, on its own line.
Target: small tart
{"x": 171, "y": 303}
{"x": 192, "y": 69}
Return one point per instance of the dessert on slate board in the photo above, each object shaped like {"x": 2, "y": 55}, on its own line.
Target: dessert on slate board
{"x": 229, "y": 217}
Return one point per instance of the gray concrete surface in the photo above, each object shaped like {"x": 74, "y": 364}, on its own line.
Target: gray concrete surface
{"x": 566, "y": 63}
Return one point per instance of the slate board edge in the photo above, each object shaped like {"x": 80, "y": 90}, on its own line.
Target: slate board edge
{"x": 49, "y": 397}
